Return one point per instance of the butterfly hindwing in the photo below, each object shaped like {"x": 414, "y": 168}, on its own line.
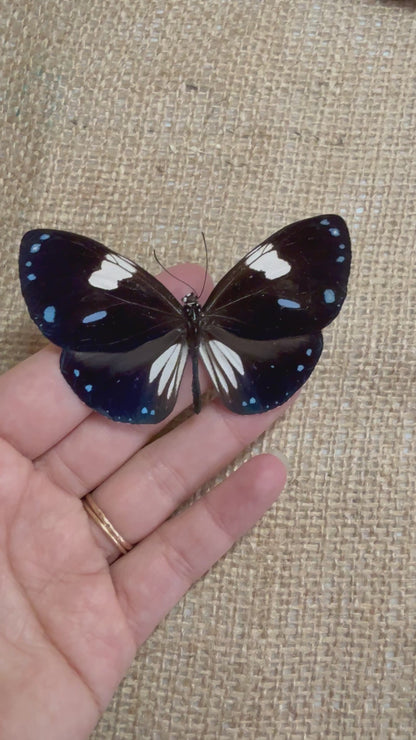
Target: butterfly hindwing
{"x": 139, "y": 386}
{"x": 85, "y": 297}
{"x": 254, "y": 376}
{"x": 291, "y": 284}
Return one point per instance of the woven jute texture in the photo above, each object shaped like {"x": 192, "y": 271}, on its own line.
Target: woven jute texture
{"x": 141, "y": 122}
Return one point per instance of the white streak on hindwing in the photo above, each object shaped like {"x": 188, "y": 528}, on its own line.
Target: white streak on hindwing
{"x": 265, "y": 259}
{"x": 222, "y": 364}
{"x": 206, "y": 358}
{"x": 169, "y": 367}
{"x": 177, "y": 375}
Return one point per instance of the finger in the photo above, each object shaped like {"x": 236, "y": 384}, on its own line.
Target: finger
{"x": 155, "y": 481}
{"x": 38, "y": 406}
{"x": 98, "y": 446}
{"x": 154, "y": 576}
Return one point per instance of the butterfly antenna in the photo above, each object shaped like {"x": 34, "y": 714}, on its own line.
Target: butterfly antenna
{"x": 206, "y": 265}
{"x": 171, "y": 273}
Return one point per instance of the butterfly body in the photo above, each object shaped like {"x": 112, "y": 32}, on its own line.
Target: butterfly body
{"x": 126, "y": 338}
{"x": 193, "y": 314}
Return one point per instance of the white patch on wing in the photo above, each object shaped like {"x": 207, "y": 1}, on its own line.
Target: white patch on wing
{"x": 265, "y": 259}
{"x": 227, "y": 359}
{"x": 177, "y": 375}
{"x": 169, "y": 366}
{"x": 113, "y": 268}
{"x": 158, "y": 365}
{"x": 209, "y": 366}
{"x": 221, "y": 362}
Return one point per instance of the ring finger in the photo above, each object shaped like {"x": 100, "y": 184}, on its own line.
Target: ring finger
{"x": 155, "y": 481}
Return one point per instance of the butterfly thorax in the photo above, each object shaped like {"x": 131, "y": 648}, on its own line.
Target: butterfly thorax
{"x": 193, "y": 313}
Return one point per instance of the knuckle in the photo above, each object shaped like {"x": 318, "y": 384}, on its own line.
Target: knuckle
{"x": 218, "y": 522}
{"x": 178, "y": 562}
{"x": 60, "y": 472}
{"x": 167, "y": 479}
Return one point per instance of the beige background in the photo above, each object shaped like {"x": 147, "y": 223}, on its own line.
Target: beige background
{"x": 139, "y": 123}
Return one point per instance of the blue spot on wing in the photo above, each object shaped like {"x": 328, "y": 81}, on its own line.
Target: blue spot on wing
{"x": 94, "y": 317}
{"x": 329, "y": 296}
{"x": 49, "y": 314}
{"x": 31, "y": 277}
{"x": 286, "y": 303}
{"x": 88, "y": 387}
{"x": 34, "y": 248}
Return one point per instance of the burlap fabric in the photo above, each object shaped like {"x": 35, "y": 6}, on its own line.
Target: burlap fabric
{"x": 140, "y": 122}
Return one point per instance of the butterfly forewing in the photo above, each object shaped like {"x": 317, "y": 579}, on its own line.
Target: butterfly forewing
{"x": 86, "y": 297}
{"x": 291, "y": 284}
{"x": 139, "y": 386}
{"x": 254, "y": 376}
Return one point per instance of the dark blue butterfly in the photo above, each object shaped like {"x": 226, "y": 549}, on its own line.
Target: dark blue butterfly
{"x": 126, "y": 338}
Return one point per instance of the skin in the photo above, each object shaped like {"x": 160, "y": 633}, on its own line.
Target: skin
{"x": 73, "y": 613}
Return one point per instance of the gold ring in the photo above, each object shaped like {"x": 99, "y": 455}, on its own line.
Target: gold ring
{"x": 100, "y": 518}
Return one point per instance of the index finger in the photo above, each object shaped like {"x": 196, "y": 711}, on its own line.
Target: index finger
{"x": 37, "y": 406}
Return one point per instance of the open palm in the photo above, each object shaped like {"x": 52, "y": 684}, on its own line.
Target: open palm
{"x": 72, "y": 613}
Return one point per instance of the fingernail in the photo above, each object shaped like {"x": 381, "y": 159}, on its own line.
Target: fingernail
{"x": 282, "y": 457}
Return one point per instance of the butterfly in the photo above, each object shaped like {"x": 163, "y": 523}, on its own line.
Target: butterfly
{"x": 125, "y": 338}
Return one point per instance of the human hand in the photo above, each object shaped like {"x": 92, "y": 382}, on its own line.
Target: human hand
{"x": 73, "y": 613}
